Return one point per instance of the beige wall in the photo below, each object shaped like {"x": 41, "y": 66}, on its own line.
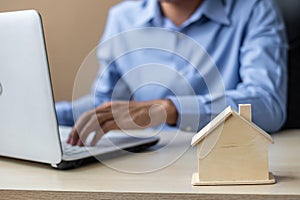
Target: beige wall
{"x": 72, "y": 29}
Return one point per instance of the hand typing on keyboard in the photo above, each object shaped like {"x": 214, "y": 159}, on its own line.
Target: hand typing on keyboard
{"x": 121, "y": 115}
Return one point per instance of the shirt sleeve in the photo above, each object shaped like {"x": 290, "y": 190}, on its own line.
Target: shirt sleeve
{"x": 263, "y": 74}
{"x": 64, "y": 113}
{"x": 68, "y": 112}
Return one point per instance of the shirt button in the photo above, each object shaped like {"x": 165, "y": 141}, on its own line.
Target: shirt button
{"x": 188, "y": 129}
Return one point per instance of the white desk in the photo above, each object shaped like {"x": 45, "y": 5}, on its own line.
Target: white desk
{"x": 26, "y": 180}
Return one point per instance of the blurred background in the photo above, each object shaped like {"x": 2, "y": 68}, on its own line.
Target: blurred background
{"x": 73, "y": 29}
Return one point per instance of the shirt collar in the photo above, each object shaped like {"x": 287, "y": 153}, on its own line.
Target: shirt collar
{"x": 151, "y": 12}
{"x": 214, "y": 10}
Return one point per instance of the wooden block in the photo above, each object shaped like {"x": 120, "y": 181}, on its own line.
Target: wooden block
{"x": 233, "y": 150}
{"x": 245, "y": 111}
{"x": 197, "y": 182}
{"x": 236, "y": 155}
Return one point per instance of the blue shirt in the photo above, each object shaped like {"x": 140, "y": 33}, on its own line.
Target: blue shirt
{"x": 245, "y": 39}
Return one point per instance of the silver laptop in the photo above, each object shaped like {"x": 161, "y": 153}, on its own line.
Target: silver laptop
{"x": 28, "y": 124}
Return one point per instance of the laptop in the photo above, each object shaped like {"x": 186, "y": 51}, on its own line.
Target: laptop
{"x": 29, "y": 128}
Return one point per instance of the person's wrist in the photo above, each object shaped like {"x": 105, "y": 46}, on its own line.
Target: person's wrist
{"x": 172, "y": 114}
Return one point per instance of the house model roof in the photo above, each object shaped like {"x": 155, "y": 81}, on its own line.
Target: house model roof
{"x": 219, "y": 120}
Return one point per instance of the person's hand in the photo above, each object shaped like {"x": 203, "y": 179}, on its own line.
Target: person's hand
{"x": 122, "y": 115}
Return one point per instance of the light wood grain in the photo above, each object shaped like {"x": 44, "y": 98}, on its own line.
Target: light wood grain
{"x": 239, "y": 156}
{"x": 26, "y": 180}
{"x": 245, "y": 111}
{"x": 197, "y": 182}
{"x": 43, "y": 195}
{"x": 232, "y": 150}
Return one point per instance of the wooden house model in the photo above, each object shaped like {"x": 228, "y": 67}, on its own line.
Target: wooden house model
{"x": 232, "y": 150}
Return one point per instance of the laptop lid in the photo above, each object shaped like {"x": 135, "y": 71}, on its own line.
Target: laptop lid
{"x": 28, "y": 127}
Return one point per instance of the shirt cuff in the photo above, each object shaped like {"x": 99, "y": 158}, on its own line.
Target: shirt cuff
{"x": 64, "y": 113}
{"x": 191, "y": 112}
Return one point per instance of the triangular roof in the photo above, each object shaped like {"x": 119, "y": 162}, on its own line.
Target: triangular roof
{"x": 220, "y": 119}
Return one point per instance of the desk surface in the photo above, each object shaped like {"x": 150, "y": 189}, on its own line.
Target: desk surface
{"x": 172, "y": 177}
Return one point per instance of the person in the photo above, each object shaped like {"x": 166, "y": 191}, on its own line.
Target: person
{"x": 245, "y": 39}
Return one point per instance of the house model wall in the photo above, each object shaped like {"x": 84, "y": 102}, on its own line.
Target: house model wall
{"x": 232, "y": 150}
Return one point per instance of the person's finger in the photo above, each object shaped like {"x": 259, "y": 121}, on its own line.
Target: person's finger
{"x": 90, "y": 126}
{"x": 104, "y": 117}
{"x": 109, "y": 125}
{"x": 80, "y": 124}
{"x": 74, "y": 136}
{"x": 98, "y": 135}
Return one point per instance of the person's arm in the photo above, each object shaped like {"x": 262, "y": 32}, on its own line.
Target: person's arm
{"x": 263, "y": 73}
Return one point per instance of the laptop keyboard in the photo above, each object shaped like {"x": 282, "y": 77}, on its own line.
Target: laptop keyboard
{"x": 113, "y": 141}
{"x": 68, "y": 149}
{"x": 72, "y": 150}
